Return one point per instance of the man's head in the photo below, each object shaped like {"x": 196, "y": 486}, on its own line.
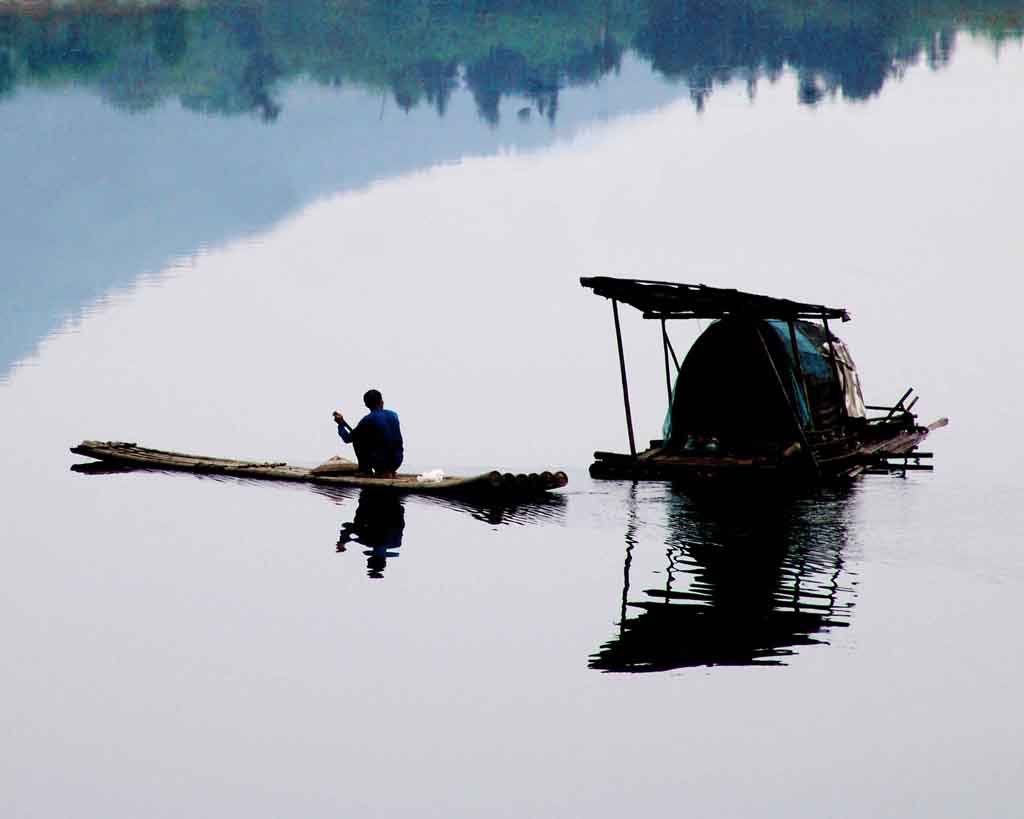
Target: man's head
{"x": 373, "y": 399}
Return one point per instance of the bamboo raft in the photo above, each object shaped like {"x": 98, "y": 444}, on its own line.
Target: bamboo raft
{"x": 335, "y": 472}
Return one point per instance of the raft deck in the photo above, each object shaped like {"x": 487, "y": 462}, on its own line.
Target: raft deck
{"x": 849, "y": 457}
{"x": 337, "y": 472}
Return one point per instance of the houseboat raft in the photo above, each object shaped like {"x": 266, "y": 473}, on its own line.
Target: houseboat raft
{"x": 765, "y": 390}
{"x": 120, "y": 455}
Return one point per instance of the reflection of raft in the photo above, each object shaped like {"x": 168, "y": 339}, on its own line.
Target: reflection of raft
{"x": 336, "y": 472}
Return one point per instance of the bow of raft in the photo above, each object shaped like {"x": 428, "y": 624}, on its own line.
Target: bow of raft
{"x": 335, "y": 472}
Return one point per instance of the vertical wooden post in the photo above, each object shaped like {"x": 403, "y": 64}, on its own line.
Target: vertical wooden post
{"x": 835, "y": 368}
{"x": 668, "y": 373}
{"x": 800, "y": 368}
{"x": 625, "y": 386}
{"x": 801, "y": 433}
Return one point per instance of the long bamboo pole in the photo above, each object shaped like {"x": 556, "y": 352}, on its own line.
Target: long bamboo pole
{"x": 835, "y": 368}
{"x": 625, "y": 385}
{"x": 806, "y": 444}
{"x": 668, "y": 373}
{"x": 800, "y": 368}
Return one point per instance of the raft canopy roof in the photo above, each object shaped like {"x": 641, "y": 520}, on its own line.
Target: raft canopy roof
{"x": 669, "y": 300}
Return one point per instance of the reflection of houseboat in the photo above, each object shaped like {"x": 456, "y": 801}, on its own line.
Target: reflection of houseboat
{"x": 740, "y": 583}
{"x": 766, "y": 389}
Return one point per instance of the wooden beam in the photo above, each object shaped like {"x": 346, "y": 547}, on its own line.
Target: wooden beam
{"x": 625, "y": 385}
{"x": 800, "y": 369}
{"x": 835, "y": 368}
{"x": 899, "y": 404}
{"x": 806, "y": 444}
{"x": 668, "y": 373}
{"x": 718, "y": 314}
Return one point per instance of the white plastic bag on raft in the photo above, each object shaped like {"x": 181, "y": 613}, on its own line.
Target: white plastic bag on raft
{"x": 433, "y": 476}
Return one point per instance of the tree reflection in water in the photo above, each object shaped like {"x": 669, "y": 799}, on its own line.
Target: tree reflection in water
{"x": 233, "y": 57}
{"x": 746, "y": 581}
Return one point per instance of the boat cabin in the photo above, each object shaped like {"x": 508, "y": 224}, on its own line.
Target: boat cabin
{"x": 766, "y": 387}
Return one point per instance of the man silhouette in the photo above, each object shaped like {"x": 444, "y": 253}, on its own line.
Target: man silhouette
{"x": 377, "y": 438}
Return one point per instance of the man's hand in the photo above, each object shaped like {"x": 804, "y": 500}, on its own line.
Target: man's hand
{"x": 338, "y": 418}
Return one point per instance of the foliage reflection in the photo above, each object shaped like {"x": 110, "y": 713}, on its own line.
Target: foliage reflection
{"x": 233, "y": 58}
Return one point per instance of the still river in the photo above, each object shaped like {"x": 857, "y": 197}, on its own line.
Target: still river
{"x": 220, "y": 223}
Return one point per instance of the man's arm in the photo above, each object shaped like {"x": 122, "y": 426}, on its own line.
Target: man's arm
{"x": 344, "y": 430}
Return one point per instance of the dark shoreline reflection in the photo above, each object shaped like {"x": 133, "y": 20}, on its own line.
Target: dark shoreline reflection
{"x": 746, "y": 580}
{"x": 232, "y": 58}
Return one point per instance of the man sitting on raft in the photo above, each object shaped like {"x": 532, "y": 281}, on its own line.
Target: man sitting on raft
{"x": 377, "y": 438}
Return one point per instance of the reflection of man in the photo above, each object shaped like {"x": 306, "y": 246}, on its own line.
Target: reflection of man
{"x": 377, "y": 438}
{"x": 379, "y": 525}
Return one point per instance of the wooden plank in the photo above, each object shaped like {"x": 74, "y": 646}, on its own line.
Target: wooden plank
{"x": 899, "y": 404}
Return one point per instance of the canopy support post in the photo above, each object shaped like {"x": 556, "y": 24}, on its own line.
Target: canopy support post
{"x": 835, "y": 367}
{"x": 668, "y": 373}
{"x": 625, "y": 386}
{"x": 804, "y": 442}
{"x": 671, "y": 349}
{"x": 799, "y": 367}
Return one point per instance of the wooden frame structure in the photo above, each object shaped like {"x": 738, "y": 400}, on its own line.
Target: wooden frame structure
{"x": 885, "y": 444}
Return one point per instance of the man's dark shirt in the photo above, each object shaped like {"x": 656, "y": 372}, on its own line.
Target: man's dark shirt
{"x": 378, "y": 433}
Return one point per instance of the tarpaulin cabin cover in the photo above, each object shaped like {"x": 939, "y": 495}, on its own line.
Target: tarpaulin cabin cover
{"x": 729, "y": 388}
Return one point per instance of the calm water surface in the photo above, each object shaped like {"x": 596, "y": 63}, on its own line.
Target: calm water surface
{"x": 221, "y": 223}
